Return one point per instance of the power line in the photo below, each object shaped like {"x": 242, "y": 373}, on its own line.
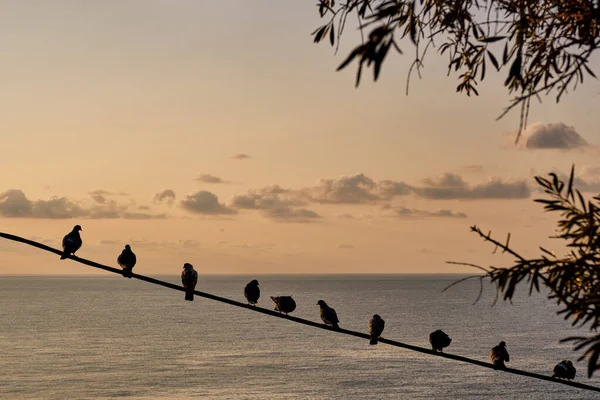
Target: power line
{"x": 299, "y": 320}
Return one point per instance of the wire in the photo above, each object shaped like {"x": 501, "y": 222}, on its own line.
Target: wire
{"x": 300, "y": 320}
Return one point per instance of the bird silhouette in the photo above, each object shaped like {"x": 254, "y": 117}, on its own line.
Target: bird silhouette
{"x": 71, "y": 242}
{"x": 565, "y": 370}
{"x": 127, "y": 261}
{"x": 189, "y": 278}
{"x": 499, "y": 355}
{"x": 284, "y": 304}
{"x": 328, "y": 315}
{"x": 252, "y": 292}
{"x": 376, "y": 326}
{"x": 438, "y": 340}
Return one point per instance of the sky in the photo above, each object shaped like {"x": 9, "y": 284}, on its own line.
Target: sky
{"x": 218, "y": 133}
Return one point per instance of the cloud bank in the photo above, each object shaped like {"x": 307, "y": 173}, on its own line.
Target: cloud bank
{"x": 451, "y": 187}
{"x": 15, "y": 204}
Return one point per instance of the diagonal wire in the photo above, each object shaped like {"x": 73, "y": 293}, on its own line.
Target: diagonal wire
{"x": 300, "y": 320}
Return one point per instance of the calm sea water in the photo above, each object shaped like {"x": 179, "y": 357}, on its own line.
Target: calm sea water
{"x": 99, "y": 337}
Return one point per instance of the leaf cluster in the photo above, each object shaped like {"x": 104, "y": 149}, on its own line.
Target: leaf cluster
{"x": 573, "y": 280}
{"x": 544, "y": 45}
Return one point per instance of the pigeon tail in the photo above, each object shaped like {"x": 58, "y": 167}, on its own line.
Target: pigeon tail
{"x": 335, "y": 325}
{"x": 189, "y": 296}
{"x": 64, "y": 256}
{"x": 127, "y": 273}
{"x": 373, "y": 339}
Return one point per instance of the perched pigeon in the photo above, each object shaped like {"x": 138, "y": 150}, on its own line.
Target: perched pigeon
{"x": 376, "y": 326}
{"x": 499, "y": 355}
{"x": 189, "y": 278}
{"x": 328, "y": 315}
{"x": 284, "y": 304}
{"x": 439, "y": 340}
{"x": 127, "y": 261}
{"x": 565, "y": 370}
{"x": 71, "y": 242}
{"x": 252, "y": 292}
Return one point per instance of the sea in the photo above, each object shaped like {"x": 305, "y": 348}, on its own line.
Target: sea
{"x": 105, "y": 337}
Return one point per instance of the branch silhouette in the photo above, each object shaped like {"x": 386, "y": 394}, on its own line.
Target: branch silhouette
{"x": 299, "y": 320}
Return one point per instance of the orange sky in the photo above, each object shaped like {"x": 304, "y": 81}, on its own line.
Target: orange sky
{"x": 104, "y": 105}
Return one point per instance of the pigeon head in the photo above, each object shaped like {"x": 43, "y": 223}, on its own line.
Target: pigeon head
{"x": 127, "y": 247}
{"x": 503, "y": 344}
{"x": 569, "y": 363}
{"x": 77, "y": 228}
{"x": 188, "y": 266}
{"x": 254, "y": 282}
{"x": 321, "y": 303}
{"x": 376, "y": 316}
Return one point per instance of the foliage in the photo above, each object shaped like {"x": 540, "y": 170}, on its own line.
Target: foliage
{"x": 573, "y": 279}
{"x": 546, "y": 45}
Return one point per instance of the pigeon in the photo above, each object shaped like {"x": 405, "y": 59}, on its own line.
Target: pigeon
{"x": 499, "y": 355}
{"x": 439, "y": 339}
{"x": 565, "y": 370}
{"x": 284, "y": 304}
{"x": 71, "y": 242}
{"x": 328, "y": 315}
{"x": 252, "y": 292}
{"x": 376, "y": 326}
{"x": 189, "y": 278}
{"x": 127, "y": 261}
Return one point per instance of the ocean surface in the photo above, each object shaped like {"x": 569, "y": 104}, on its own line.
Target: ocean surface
{"x": 99, "y": 337}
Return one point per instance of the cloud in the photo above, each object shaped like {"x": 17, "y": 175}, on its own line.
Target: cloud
{"x": 164, "y": 196}
{"x": 292, "y": 214}
{"x": 269, "y": 197}
{"x": 208, "y": 178}
{"x": 240, "y": 156}
{"x": 388, "y": 189}
{"x": 204, "y": 202}
{"x": 451, "y": 186}
{"x": 100, "y": 195}
{"x": 354, "y": 189}
{"x": 345, "y": 246}
{"x": 554, "y": 136}
{"x": 414, "y": 213}
{"x": 15, "y": 204}
{"x": 275, "y": 202}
